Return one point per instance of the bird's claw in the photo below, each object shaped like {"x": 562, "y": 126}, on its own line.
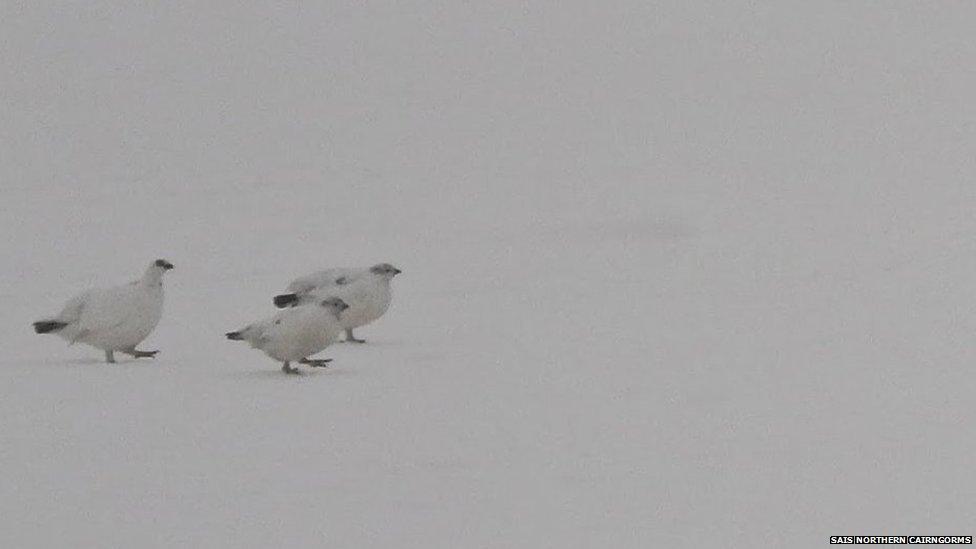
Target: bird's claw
{"x": 317, "y": 363}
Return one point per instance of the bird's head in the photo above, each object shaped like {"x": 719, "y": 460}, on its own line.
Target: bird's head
{"x": 335, "y": 305}
{"x": 385, "y": 270}
{"x": 162, "y": 264}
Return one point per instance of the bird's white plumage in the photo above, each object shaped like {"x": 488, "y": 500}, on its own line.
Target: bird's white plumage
{"x": 368, "y": 297}
{"x": 118, "y": 318}
{"x": 366, "y": 290}
{"x": 326, "y": 278}
{"x": 294, "y": 334}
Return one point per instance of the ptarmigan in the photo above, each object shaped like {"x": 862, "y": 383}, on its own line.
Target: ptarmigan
{"x": 367, "y": 291}
{"x": 113, "y": 319}
{"x": 295, "y": 334}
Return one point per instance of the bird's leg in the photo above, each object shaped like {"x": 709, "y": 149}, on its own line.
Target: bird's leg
{"x": 140, "y": 354}
{"x": 316, "y": 363}
{"x": 288, "y": 369}
{"x": 352, "y": 338}
{"x": 110, "y": 357}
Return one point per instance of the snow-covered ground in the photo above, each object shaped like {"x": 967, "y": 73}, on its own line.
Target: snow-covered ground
{"x": 675, "y": 275}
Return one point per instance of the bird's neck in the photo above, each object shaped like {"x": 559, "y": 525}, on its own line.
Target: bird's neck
{"x": 153, "y": 277}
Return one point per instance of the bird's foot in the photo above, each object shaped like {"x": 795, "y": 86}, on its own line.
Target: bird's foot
{"x": 289, "y": 370}
{"x": 316, "y": 363}
{"x": 143, "y": 354}
{"x": 354, "y": 340}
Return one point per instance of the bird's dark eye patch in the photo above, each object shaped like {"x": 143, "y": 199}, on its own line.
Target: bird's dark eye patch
{"x": 341, "y": 280}
{"x": 160, "y": 263}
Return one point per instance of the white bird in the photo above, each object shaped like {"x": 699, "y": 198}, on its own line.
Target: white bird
{"x": 297, "y": 333}
{"x": 367, "y": 291}
{"x": 113, "y": 319}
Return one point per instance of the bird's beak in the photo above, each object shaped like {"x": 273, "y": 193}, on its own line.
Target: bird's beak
{"x": 167, "y": 266}
{"x": 396, "y": 271}
{"x": 344, "y": 307}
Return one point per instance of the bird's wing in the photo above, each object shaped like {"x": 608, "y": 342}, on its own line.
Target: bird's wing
{"x": 257, "y": 334}
{"x": 261, "y": 332}
{"x": 108, "y": 309}
{"x": 301, "y": 285}
{"x": 355, "y": 291}
{"x": 349, "y": 276}
{"x": 73, "y": 308}
{"x": 324, "y": 279}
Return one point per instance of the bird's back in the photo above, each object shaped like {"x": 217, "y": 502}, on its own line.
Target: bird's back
{"x": 325, "y": 279}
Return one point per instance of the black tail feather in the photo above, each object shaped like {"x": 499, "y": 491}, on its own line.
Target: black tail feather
{"x": 47, "y": 326}
{"x": 236, "y": 336}
{"x": 284, "y": 300}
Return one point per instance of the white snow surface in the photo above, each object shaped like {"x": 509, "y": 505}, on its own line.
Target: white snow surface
{"x": 675, "y": 274}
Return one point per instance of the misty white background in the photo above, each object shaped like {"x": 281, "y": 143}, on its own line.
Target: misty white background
{"x": 676, "y": 274}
